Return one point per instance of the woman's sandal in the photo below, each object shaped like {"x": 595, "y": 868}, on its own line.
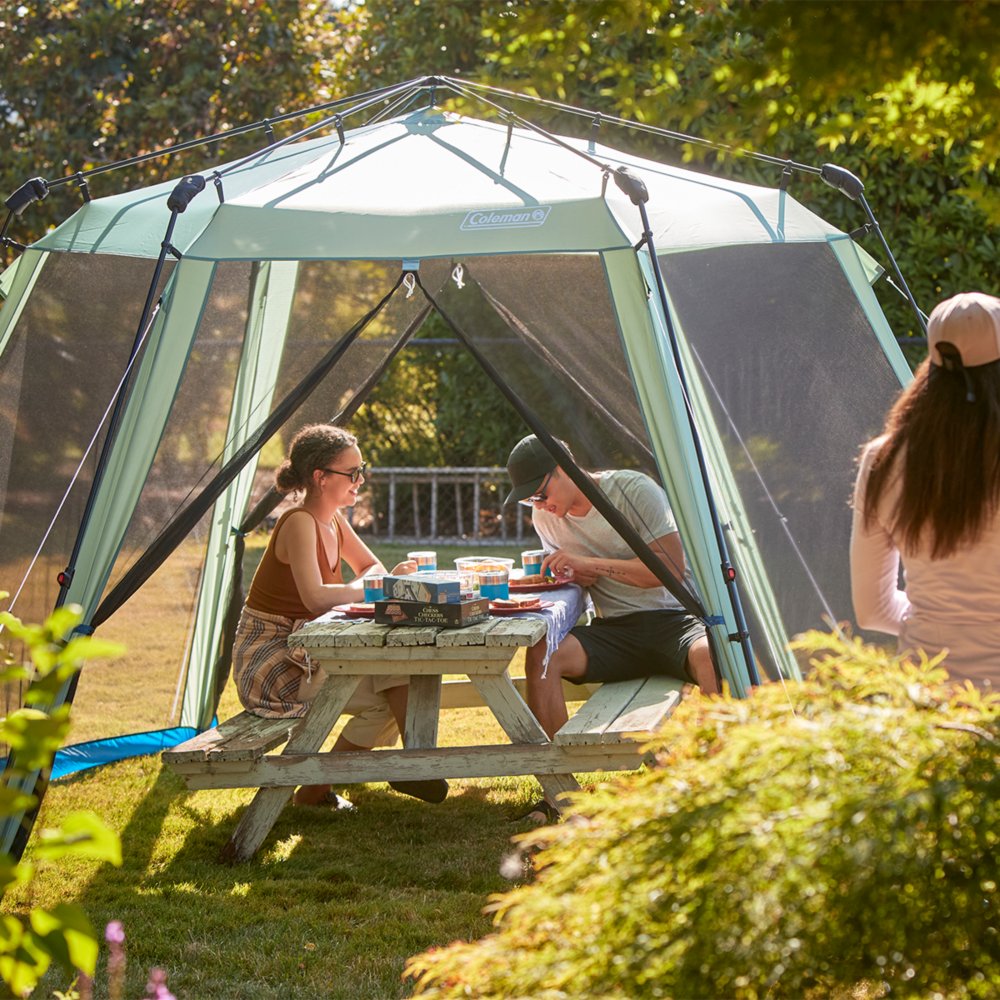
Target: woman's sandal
{"x": 540, "y": 812}
{"x": 321, "y": 795}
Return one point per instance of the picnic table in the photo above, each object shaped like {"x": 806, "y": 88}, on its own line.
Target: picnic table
{"x": 604, "y": 735}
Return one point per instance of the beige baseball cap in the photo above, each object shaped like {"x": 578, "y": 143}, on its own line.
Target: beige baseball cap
{"x": 970, "y": 321}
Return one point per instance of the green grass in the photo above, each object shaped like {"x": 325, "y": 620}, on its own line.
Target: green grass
{"x": 332, "y": 905}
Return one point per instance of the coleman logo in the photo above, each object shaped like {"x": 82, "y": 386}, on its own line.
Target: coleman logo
{"x": 523, "y": 218}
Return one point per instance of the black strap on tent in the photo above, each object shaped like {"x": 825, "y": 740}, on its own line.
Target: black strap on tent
{"x": 176, "y": 531}
{"x": 565, "y": 461}
{"x": 633, "y": 186}
{"x": 260, "y": 510}
{"x": 180, "y": 198}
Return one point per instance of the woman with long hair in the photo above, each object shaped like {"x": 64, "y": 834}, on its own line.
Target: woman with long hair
{"x": 300, "y": 576}
{"x": 927, "y": 493}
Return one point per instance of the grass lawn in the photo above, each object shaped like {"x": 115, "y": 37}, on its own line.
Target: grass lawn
{"x": 333, "y": 904}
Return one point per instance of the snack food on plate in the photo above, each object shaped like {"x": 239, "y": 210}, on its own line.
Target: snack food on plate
{"x": 521, "y": 603}
{"x": 534, "y": 578}
{"x": 363, "y": 606}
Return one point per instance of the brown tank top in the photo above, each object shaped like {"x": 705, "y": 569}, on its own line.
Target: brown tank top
{"x": 273, "y": 589}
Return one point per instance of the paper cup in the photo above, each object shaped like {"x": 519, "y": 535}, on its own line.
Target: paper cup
{"x": 494, "y": 583}
{"x": 372, "y": 583}
{"x": 532, "y": 561}
{"x": 426, "y": 561}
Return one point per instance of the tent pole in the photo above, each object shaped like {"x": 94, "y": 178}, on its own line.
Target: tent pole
{"x": 565, "y": 461}
{"x": 178, "y": 201}
{"x": 637, "y": 193}
{"x": 851, "y": 186}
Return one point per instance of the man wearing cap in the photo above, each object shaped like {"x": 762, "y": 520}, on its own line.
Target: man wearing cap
{"x": 927, "y": 494}
{"x": 641, "y": 628}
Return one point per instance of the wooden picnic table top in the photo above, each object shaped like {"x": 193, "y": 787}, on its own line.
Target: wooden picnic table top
{"x": 342, "y": 634}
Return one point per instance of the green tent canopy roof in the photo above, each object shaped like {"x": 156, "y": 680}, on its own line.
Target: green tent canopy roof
{"x": 465, "y": 187}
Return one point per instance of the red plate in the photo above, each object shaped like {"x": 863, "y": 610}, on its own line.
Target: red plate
{"x": 522, "y": 588}
{"x": 541, "y": 606}
{"x": 356, "y": 610}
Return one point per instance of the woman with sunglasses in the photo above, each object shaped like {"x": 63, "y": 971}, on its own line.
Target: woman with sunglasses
{"x": 300, "y": 577}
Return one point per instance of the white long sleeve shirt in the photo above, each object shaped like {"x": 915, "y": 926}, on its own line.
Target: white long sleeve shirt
{"x": 951, "y": 603}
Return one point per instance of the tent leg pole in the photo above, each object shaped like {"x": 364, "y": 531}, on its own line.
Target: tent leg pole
{"x": 728, "y": 570}
{"x": 66, "y": 577}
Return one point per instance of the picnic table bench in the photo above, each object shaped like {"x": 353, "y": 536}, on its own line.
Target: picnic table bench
{"x": 607, "y": 733}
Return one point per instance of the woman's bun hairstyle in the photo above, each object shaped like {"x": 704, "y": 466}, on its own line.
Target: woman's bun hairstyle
{"x": 315, "y": 446}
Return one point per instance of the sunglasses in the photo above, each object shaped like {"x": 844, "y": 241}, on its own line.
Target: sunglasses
{"x": 354, "y": 475}
{"x": 541, "y": 496}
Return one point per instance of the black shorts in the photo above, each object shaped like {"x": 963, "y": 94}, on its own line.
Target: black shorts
{"x": 640, "y": 644}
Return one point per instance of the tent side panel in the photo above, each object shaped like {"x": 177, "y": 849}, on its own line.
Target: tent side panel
{"x": 142, "y": 425}
{"x": 273, "y": 294}
{"x": 857, "y": 272}
{"x": 661, "y": 396}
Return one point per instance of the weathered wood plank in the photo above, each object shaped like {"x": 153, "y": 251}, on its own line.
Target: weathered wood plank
{"x": 471, "y": 635}
{"x": 243, "y": 737}
{"x": 423, "y": 706}
{"x": 516, "y": 632}
{"x": 255, "y": 824}
{"x": 598, "y": 712}
{"x": 624, "y": 710}
{"x": 282, "y": 772}
{"x": 646, "y": 712}
{"x": 413, "y": 635}
{"x": 346, "y": 633}
{"x": 407, "y": 664}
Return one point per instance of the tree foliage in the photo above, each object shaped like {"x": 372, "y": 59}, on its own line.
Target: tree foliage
{"x": 908, "y": 103}
{"x": 86, "y": 84}
{"x": 33, "y": 734}
{"x": 799, "y": 843}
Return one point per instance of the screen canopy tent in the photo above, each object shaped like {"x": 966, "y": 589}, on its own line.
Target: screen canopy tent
{"x": 718, "y": 335}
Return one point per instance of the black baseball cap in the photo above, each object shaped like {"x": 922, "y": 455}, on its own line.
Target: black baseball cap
{"x": 528, "y": 465}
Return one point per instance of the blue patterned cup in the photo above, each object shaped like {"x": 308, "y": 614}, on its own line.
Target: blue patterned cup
{"x": 494, "y": 584}
{"x": 427, "y": 562}
{"x": 532, "y": 561}
{"x": 373, "y": 587}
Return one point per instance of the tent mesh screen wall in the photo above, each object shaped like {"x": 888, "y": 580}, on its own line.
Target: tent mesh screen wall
{"x": 542, "y": 321}
{"x": 801, "y": 374}
{"x": 53, "y": 430}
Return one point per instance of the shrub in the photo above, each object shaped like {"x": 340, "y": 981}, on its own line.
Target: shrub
{"x": 812, "y": 838}
{"x": 34, "y": 733}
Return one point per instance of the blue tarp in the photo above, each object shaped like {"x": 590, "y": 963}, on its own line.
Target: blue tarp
{"x": 71, "y": 759}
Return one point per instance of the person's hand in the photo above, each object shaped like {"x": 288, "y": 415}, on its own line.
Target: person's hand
{"x": 404, "y": 568}
{"x": 570, "y": 567}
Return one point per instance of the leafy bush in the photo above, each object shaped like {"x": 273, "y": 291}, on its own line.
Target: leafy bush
{"x": 812, "y": 838}
{"x": 33, "y": 734}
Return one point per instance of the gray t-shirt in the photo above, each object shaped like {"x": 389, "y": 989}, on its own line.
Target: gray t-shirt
{"x": 644, "y": 505}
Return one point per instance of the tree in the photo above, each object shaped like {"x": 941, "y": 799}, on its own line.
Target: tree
{"x": 83, "y": 85}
